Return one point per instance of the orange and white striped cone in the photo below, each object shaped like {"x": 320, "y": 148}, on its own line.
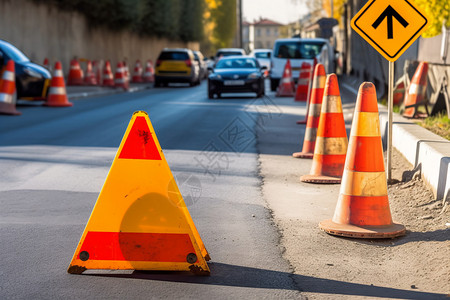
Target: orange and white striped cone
{"x": 126, "y": 72}
{"x": 90, "y": 78}
{"x": 57, "y": 95}
{"x": 331, "y": 140}
{"x": 416, "y": 94}
{"x": 309, "y": 96}
{"x": 149, "y": 73}
{"x": 315, "y": 105}
{"x": 108, "y": 78}
{"x": 8, "y": 90}
{"x": 362, "y": 210}
{"x": 137, "y": 75}
{"x": 304, "y": 77}
{"x": 76, "y": 75}
{"x": 286, "y": 86}
{"x": 119, "y": 78}
{"x": 399, "y": 93}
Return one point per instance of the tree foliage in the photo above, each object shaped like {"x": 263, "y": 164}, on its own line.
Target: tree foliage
{"x": 437, "y": 11}
{"x": 223, "y": 16}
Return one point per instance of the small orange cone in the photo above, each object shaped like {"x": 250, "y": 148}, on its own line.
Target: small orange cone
{"x": 46, "y": 64}
{"x": 108, "y": 78}
{"x": 309, "y": 96}
{"x": 126, "y": 72}
{"x": 57, "y": 95}
{"x": 286, "y": 87}
{"x": 90, "y": 78}
{"x": 137, "y": 75}
{"x": 75, "y": 74}
{"x": 302, "y": 92}
{"x": 362, "y": 210}
{"x": 416, "y": 94}
{"x": 149, "y": 73}
{"x": 119, "y": 78}
{"x": 331, "y": 140}
{"x": 7, "y": 90}
{"x": 315, "y": 105}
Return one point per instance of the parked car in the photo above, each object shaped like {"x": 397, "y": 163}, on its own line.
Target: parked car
{"x": 32, "y": 80}
{"x": 223, "y": 52}
{"x": 236, "y": 74}
{"x": 176, "y": 65}
{"x": 262, "y": 56}
{"x": 299, "y": 50}
{"x": 202, "y": 63}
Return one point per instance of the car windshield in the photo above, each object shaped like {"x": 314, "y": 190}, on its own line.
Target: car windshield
{"x": 262, "y": 54}
{"x": 14, "y": 53}
{"x": 173, "y": 55}
{"x": 238, "y": 63}
{"x": 298, "y": 50}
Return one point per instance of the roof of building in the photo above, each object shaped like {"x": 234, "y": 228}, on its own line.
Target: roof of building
{"x": 267, "y": 22}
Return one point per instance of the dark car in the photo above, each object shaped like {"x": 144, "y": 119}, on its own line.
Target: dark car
{"x": 32, "y": 80}
{"x": 236, "y": 74}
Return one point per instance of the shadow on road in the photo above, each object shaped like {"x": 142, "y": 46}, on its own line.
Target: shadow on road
{"x": 240, "y": 276}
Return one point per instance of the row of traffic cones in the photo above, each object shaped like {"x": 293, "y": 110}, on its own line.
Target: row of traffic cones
{"x": 122, "y": 74}
{"x": 363, "y": 207}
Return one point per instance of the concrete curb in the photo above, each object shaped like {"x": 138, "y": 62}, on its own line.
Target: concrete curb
{"x": 426, "y": 151}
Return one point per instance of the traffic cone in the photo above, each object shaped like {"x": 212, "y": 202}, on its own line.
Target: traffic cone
{"x": 90, "y": 78}
{"x": 119, "y": 78}
{"x": 416, "y": 94}
{"x": 302, "y": 92}
{"x": 362, "y": 210}
{"x": 137, "y": 75}
{"x": 96, "y": 69}
{"x": 149, "y": 73}
{"x": 286, "y": 87}
{"x": 57, "y": 95}
{"x": 315, "y": 105}
{"x": 75, "y": 74}
{"x": 108, "y": 78}
{"x": 46, "y": 64}
{"x": 7, "y": 90}
{"x": 331, "y": 140}
{"x": 126, "y": 72}
{"x": 309, "y": 97}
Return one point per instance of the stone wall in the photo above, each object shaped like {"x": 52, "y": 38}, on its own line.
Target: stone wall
{"x": 42, "y": 32}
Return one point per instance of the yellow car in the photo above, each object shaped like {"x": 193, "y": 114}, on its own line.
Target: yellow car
{"x": 176, "y": 65}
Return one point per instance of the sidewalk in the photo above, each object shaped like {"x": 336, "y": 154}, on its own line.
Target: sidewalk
{"x": 327, "y": 267}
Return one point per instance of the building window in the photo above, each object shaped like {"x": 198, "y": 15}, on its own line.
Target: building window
{"x": 269, "y": 45}
{"x": 268, "y": 31}
{"x": 275, "y": 32}
{"x": 259, "y": 45}
{"x": 258, "y": 32}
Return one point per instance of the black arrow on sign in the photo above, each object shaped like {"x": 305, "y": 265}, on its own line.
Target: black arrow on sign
{"x": 389, "y": 13}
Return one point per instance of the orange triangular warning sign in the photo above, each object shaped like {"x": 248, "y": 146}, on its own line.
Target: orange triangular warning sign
{"x": 140, "y": 220}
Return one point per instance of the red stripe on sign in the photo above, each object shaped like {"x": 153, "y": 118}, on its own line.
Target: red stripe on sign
{"x": 132, "y": 246}
{"x": 140, "y": 143}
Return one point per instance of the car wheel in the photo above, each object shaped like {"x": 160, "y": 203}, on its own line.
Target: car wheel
{"x": 210, "y": 95}
{"x": 274, "y": 84}
{"x": 157, "y": 83}
{"x": 219, "y": 95}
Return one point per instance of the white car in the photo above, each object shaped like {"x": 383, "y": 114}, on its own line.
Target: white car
{"x": 262, "y": 56}
{"x": 299, "y": 50}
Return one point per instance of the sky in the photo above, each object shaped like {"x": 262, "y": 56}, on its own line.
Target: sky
{"x": 282, "y": 11}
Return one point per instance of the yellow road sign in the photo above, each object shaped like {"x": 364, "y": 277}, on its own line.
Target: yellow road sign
{"x": 390, "y": 26}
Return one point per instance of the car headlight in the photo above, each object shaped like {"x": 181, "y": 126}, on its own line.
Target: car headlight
{"x": 32, "y": 72}
{"x": 253, "y": 76}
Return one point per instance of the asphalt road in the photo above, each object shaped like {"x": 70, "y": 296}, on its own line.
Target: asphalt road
{"x": 54, "y": 161}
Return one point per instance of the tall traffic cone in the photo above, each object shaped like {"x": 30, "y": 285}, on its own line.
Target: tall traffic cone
{"x": 57, "y": 96}
{"x": 149, "y": 72}
{"x": 119, "y": 78}
{"x": 309, "y": 96}
{"x": 108, "y": 78}
{"x": 90, "y": 78}
{"x": 8, "y": 90}
{"x": 331, "y": 140}
{"x": 362, "y": 210}
{"x": 75, "y": 74}
{"x": 302, "y": 92}
{"x": 416, "y": 94}
{"x": 286, "y": 87}
{"x": 137, "y": 74}
{"x": 315, "y": 105}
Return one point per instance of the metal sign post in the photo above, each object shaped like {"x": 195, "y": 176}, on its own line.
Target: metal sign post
{"x": 390, "y": 115}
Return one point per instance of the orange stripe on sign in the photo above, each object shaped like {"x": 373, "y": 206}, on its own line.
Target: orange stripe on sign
{"x": 368, "y": 154}
{"x": 132, "y": 246}
{"x": 140, "y": 143}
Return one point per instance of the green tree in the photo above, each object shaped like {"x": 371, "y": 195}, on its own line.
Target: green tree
{"x": 437, "y": 11}
{"x": 224, "y": 18}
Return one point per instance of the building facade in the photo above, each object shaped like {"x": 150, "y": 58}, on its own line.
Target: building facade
{"x": 260, "y": 34}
